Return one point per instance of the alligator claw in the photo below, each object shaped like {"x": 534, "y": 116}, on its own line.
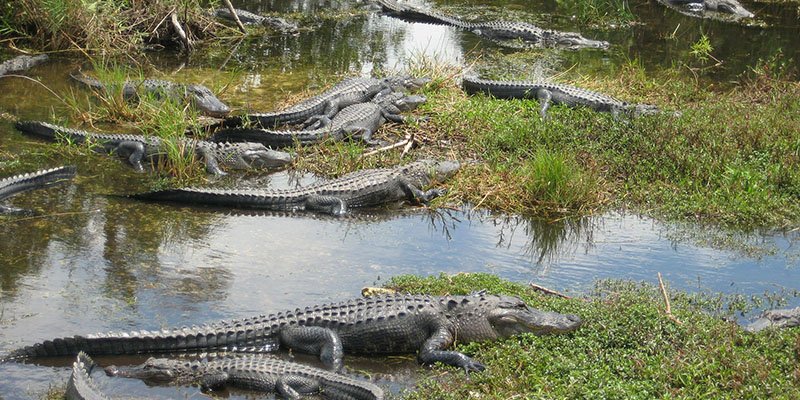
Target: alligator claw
{"x": 473, "y": 366}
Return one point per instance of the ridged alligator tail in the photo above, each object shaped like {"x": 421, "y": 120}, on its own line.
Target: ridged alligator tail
{"x": 33, "y": 180}
{"x": 384, "y": 324}
{"x": 81, "y": 386}
{"x": 504, "y": 32}
{"x": 701, "y": 8}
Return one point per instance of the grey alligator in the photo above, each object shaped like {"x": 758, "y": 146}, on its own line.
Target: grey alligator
{"x": 22, "y": 183}
{"x": 80, "y": 385}
{"x": 20, "y": 63}
{"x": 201, "y": 97}
{"x": 248, "y": 18}
{"x": 384, "y": 324}
{"x": 786, "y": 318}
{"x": 137, "y": 148}
{"x": 701, "y": 7}
{"x": 357, "y": 121}
{"x": 325, "y": 105}
{"x": 365, "y": 188}
{"x": 254, "y": 372}
{"x": 549, "y": 92}
{"x": 501, "y": 31}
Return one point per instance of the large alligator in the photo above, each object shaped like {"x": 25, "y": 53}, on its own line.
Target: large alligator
{"x": 777, "y": 318}
{"x": 254, "y": 372}
{"x": 359, "y": 121}
{"x": 365, "y": 188}
{"x": 201, "y": 97}
{"x": 80, "y": 385}
{"x": 325, "y": 105}
{"x": 34, "y": 180}
{"x": 500, "y": 31}
{"x": 549, "y": 92}
{"x": 248, "y": 18}
{"x": 20, "y": 63}
{"x": 701, "y": 7}
{"x": 137, "y": 148}
{"x": 384, "y": 324}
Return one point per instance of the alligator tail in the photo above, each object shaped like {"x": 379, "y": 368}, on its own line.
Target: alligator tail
{"x": 20, "y": 183}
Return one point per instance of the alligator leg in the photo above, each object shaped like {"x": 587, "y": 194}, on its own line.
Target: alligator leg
{"x": 211, "y": 162}
{"x": 291, "y": 386}
{"x": 432, "y": 352}
{"x": 135, "y": 153}
{"x": 329, "y": 204}
{"x": 315, "y": 340}
{"x": 544, "y": 96}
{"x": 415, "y": 193}
{"x": 213, "y": 381}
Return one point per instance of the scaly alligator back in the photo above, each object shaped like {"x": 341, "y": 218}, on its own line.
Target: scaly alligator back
{"x": 33, "y": 180}
{"x": 21, "y": 63}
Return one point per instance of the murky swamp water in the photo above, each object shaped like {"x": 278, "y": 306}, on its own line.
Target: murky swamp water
{"x": 95, "y": 262}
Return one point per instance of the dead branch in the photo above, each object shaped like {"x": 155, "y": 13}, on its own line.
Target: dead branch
{"x": 666, "y": 299}
{"x": 181, "y": 32}
{"x": 235, "y": 16}
{"x": 545, "y": 290}
{"x": 401, "y": 143}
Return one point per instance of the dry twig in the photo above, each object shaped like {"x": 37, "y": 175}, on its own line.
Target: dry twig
{"x": 235, "y": 16}
{"x": 181, "y": 32}
{"x": 666, "y": 299}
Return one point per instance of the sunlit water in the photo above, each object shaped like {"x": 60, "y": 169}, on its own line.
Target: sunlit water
{"x": 95, "y": 262}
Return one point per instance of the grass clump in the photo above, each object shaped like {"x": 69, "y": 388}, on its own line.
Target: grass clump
{"x": 626, "y": 348}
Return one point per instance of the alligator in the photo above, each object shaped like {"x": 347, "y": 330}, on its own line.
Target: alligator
{"x": 502, "y": 32}
{"x": 201, "y": 97}
{"x": 80, "y": 385}
{"x": 34, "y": 180}
{"x": 254, "y": 372}
{"x": 549, "y": 92}
{"x": 701, "y": 7}
{"x": 137, "y": 148}
{"x": 365, "y": 188}
{"x": 20, "y": 63}
{"x": 248, "y": 18}
{"x": 359, "y": 120}
{"x": 785, "y": 318}
{"x": 383, "y": 324}
{"x": 325, "y": 105}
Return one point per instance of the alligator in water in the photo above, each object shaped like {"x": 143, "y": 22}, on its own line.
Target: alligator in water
{"x": 22, "y": 183}
{"x": 80, "y": 385}
{"x": 549, "y": 92}
{"x": 325, "y": 105}
{"x": 357, "y": 121}
{"x": 253, "y": 372}
{"x": 365, "y": 188}
{"x": 201, "y": 97}
{"x": 20, "y": 63}
{"x": 137, "y": 148}
{"x": 702, "y": 7}
{"x": 384, "y": 324}
{"x": 502, "y": 32}
{"x": 786, "y": 318}
{"x": 248, "y": 18}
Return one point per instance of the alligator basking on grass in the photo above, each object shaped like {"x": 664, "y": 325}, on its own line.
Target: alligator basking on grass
{"x": 80, "y": 385}
{"x": 325, "y": 105}
{"x": 201, "y": 97}
{"x": 502, "y": 32}
{"x": 248, "y": 18}
{"x": 384, "y": 324}
{"x": 137, "y": 148}
{"x": 786, "y": 318}
{"x": 365, "y": 188}
{"x": 549, "y": 92}
{"x": 22, "y": 183}
{"x": 357, "y": 121}
{"x": 702, "y": 7}
{"x": 253, "y": 372}
{"x": 20, "y": 63}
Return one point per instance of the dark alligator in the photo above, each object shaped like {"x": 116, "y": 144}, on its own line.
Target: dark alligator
{"x": 701, "y": 7}
{"x": 385, "y": 324}
{"x": 786, "y": 318}
{"x": 21, "y": 183}
{"x": 80, "y": 385}
{"x": 137, "y": 148}
{"x": 254, "y": 372}
{"x": 248, "y": 18}
{"x": 357, "y": 121}
{"x": 325, "y": 105}
{"x": 365, "y": 188}
{"x": 201, "y": 97}
{"x": 549, "y": 92}
{"x": 20, "y": 63}
{"x": 503, "y": 32}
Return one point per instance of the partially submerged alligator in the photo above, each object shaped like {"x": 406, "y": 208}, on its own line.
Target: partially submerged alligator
{"x": 248, "y": 18}
{"x": 385, "y": 324}
{"x": 137, "y": 148}
{"x": 21, "y": 183}
{"x": 254, "y": 372}
{"x": 80, "y": 385}
{"x": 365, "y": 188}
{"x": 20, "y": 63}
{"x": 357, "y": 121}
{"x": 325, "y": 105}
{"x": 549, "y": 92}
{"x": 501, "y": 31}
{"x": 701, "y": 7}
{"x": 201, "y": 97}
{"x": 785, "y": 318}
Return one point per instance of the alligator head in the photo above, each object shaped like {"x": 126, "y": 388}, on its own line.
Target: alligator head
{"x": 205, "y": 101}
{"x": 485, "y": 317}
{"x": 407, "y": 82}
{"x": 572, "y": 40}
{"x": 154, "y": 370}
{"x": 728, "y": 7}
{"x": 408, "y": 103}
{"x": 256, "y": 155}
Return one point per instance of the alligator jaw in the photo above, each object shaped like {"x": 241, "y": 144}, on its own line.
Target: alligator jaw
{"x": 148, "y": 372}
{"x": 205, "y": 101}
{"x": 512, "y": 316}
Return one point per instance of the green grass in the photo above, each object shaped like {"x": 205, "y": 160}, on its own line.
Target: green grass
{"x": 627, "y": 348}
